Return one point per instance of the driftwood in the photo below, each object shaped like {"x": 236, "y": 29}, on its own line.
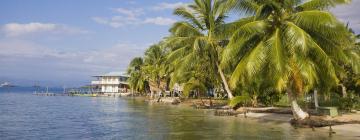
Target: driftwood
{"x": 276, "y": 110}
{"x": 227, "y": 113}
{"x": 208, "y": 104}
{"x": 166, "y": 100}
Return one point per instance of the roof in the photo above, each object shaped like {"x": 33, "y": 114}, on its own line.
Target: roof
{"x": 114, "y": 74}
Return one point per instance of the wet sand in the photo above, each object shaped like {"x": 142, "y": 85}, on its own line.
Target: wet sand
{"x": 348, "y": 131}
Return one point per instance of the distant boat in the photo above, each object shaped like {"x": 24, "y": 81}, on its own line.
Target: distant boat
{"x": 6, "y": 84}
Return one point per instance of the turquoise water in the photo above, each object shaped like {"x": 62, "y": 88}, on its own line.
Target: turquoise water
{"x": 26, "y": 116}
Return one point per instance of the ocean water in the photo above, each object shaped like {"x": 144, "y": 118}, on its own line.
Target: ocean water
{"x": 31, "y": 117}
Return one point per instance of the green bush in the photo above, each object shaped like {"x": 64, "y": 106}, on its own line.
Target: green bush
{"x": 283, "y": 101}
{"x": 269, "y": 99}
{"x": 238, "y": 101}
{"x": 349, "y": 103}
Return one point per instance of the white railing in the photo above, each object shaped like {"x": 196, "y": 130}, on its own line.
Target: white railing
{"x": 105, "y": 82}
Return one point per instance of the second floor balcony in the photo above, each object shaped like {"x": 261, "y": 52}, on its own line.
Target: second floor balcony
{"x": 107, "y": 82}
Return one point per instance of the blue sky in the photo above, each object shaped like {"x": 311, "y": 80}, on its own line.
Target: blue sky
{"x": 64, "y": 42}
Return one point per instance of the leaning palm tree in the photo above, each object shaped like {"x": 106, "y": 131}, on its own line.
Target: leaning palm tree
{"x": 298, "y": 43}
{"x": 199, "y": 35}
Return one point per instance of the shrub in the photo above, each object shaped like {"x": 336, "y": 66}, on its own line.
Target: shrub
{"x": 349, "y": 103}
{"x": 269, "y": 99}
{"x": 238, "y": 101}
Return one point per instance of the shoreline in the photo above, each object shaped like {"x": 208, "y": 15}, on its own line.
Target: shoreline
{"x": 347, "y": 129}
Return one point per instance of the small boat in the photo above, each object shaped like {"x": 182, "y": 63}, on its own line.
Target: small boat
{"x": 6, "y": 84}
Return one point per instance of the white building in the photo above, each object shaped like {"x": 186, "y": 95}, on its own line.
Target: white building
{"x": 111, "y": 83}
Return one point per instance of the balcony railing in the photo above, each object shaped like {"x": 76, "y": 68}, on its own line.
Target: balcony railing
{"x": 105, "y": 82}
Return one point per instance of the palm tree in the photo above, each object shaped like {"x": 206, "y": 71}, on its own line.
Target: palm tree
{"x": 154, "y": 64}
{"x": 193, "y": 73}
{"x": 199, "y": 37}
{"x": 135, "y": 64}
{"x": 137, "y": 81}
{"x": 297, "y": 43}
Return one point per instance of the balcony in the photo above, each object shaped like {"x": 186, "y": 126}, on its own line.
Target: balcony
{"x": 105, "y": 82}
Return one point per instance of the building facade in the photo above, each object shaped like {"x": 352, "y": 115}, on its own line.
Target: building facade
{"x": 110, "y": 83}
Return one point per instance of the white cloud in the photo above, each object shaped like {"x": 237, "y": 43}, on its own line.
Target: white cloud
{"x": 130, "y": 13}
{"x": 26, "y": 49}
{"x": 121, "y": 20}
{"x": 166, "y": 6}
{"x": 134, "y": 16}
{"x": 116, "y": 21}
{"x": 160, "y": 21}
{"x": 19, "y": 29}
{"x": 124, "y": 17}
{"x": 26, "y": 59}
{"x": 106, "y": 56}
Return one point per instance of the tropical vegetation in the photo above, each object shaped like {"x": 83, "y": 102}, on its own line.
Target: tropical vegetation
{"x": 275, "y": 48}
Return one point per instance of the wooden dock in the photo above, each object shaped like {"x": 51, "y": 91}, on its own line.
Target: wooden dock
{"x": 51, "y": 94}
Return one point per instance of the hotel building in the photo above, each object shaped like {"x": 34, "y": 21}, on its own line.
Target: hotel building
{"x": 110, "y": 83}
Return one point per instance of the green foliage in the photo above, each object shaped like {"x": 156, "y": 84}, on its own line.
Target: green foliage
{"x": 347, "y": 103}
{"x": 270, "y": 98}
{"x": 283, "y": 44}
{"x": 194, "y": 46}
{"x": 238, "y": 101}
{"x": 194, "y": 86}
{"x": 148, "y": 71}
{"x": 137, "y": 81}
{"x": 154, "y": 61}
{"x": 292, "y": 44}
{"x": 283, "y": 101}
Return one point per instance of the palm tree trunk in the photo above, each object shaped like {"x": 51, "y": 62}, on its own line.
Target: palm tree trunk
{"x": 316, "y": 98}
{"x": 226, "y": 85}
{"x": 151, "y": 94}
{"x": 298, "y": 113}
{"x": 254, "y": 101}
{"x": 343, "y": 89}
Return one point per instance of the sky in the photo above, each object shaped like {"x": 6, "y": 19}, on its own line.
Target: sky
{"x": 65, "y": 42}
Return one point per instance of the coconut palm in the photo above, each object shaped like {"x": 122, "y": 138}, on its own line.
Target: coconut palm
{"x": 154, "y": 68}
{"x": 199, "y": 37}
{"x": 194, "y": 74}
{"x": 137, "y": 79}
{"x": 298, "y": 43}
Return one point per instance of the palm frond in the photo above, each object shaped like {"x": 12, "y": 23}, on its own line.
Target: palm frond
{"x": 182, "y": 29}
{"x": 249, "y": 65}
{"x": 278, "y": 59}
{"x": 186, "y": 14}
{"x": 321, "y": 4}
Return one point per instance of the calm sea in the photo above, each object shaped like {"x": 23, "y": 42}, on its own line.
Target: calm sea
{"x": 30, "y": 117}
